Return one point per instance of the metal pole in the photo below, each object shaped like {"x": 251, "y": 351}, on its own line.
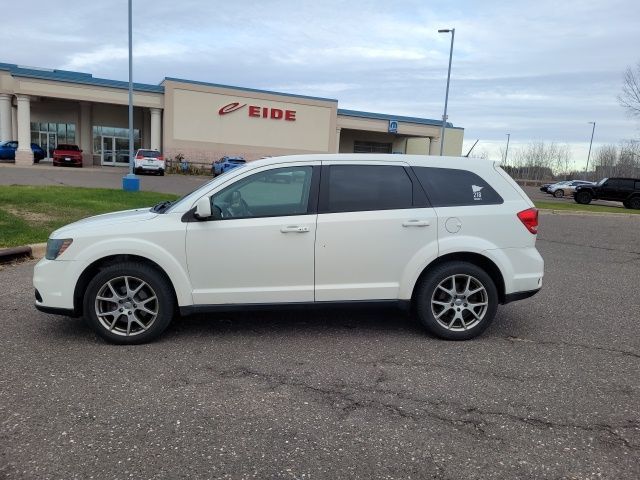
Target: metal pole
{"x": 446, "y": 97}
{"x": 589, "y": 154}
{"x": 131, "y": 162}
{"x": 506, "y": 152}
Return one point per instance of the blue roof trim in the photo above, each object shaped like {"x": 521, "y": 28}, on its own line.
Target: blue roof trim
{"x": 76, "y": 77}
{"x": 254, "y": 90}
{"x": 400, "y": 118}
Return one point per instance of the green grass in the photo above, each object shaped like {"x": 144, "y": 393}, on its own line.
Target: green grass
{"x": 576, "y": 207}
{"x": 29, "y": 214}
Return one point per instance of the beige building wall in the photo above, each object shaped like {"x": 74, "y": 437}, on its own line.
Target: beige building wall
{"x": 418, "y": 146}
{"x": 194, "y": 127}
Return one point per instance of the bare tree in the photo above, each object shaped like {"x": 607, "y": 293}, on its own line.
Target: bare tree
{"x": 629, "y": 98}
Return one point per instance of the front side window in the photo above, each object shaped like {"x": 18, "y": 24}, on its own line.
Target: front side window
{"x": 272, "y": 193}
{"x": 449, "y": 187}
{"x": 353, "y": 188}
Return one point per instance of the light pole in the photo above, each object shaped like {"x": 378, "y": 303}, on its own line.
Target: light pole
{"x": 589, "y": 154}
{"x": 506, "y": 152}
{"x": 446, "y": 97}
{"x": 130, "y": 182}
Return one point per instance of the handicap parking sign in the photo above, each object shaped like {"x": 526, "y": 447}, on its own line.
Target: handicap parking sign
{"x": 393, "y": 126}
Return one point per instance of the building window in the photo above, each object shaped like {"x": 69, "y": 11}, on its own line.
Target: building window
{"x": 371, "y": 147}
{"x": 48, "y": 135}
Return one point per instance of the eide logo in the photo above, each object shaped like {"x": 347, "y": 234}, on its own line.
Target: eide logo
{"x": 260, "y": 112}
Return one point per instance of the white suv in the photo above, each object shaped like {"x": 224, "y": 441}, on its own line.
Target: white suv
{"x": 451, "y": 237}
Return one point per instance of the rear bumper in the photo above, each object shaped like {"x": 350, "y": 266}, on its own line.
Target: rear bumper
{"x": 515, "y": 296}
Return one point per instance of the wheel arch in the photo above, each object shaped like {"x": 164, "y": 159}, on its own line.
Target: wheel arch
{"x": 477, "y": 259}
{"x": 92, "y": 269}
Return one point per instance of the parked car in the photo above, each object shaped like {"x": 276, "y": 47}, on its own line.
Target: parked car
{"x": 225, "y": 164}
{"x": 67, "y": 154}
{"x": 149, "y": 161}
{"x": 561, "y": 189}
{"x": 459, "y": 239}
{"x": 625, "y": 190}
{"x": 8, "y": 151}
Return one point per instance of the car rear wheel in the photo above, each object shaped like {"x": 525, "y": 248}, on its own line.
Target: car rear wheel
{"x": 456, "y": 301}
{"x": 128, "y": 303}
{"x": 558, "y": 193}
{"x": 583, "y": 198}
{"x": 634, "y": 202}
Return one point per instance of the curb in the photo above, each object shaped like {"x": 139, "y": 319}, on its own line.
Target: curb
{"x": 586, "y": 212}
{"x": 35, "y": 251}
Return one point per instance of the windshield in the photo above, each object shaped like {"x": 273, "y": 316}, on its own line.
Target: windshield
{"x": 601, "y": 182}
{"x": 68, "y": 147}
{"x": 198, "y": 192}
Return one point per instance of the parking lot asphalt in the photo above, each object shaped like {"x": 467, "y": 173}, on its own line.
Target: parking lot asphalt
{"x": 549, "y": 391}
{"x": 95, "y": 177}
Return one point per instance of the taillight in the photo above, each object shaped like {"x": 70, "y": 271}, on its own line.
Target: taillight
{"x": 529, "y": 219}
{"x": 160, "y": 157}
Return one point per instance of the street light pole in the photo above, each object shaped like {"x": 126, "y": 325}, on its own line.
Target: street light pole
{"x": 506, "y": 152}
{"x": 589, "y": 154}
{"x": 446, "y": 97}
{"x": 130, "y": 182}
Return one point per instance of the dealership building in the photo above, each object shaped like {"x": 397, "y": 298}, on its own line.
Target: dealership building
{"x": 198, "y": 120}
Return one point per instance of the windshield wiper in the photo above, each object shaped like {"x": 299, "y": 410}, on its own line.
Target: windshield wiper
{"x": 162, "y": 206}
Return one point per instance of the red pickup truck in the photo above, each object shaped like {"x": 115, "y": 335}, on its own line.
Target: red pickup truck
{"x": 65, "y": 154}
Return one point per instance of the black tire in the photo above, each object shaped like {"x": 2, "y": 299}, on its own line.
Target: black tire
{"x": 634, "y": 202}
{"x": 558, "y": 193}
{"x": 428, "y": 290}
{"x": 625, "y": 204}
{"x": 583, "y": 198}
{"x": 162, "y": 173}
{"x": 157, "y": 284}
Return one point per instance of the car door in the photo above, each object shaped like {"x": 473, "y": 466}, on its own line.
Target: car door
{"x": 261, "y": 250}
{"x": 373, "y": 222}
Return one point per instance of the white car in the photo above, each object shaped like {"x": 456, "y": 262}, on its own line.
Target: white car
{"x": 566, "y": 188}
{"x": 451, "y": 237}
{"x": 149, "y": 161}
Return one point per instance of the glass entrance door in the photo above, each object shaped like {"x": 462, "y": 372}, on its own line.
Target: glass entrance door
{"x": 48, "y": 141}
{"x": 115, "y": 151}
{"x": 108, "y": 151}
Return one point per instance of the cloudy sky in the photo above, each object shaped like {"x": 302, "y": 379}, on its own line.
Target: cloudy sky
{"x": 537, "y": 70}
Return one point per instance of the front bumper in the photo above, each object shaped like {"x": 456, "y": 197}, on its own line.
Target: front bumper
{"x": 55, "y": 281}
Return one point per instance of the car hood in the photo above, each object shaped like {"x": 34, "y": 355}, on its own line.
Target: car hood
{"x": 106, "y": 220}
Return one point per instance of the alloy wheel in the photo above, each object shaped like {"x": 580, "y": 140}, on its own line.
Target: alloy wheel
{"x": 126, "y": 306}
{"x": 459, "y": 302}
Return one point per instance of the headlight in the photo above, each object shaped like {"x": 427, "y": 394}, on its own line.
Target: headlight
{"x": 56, "y": 247}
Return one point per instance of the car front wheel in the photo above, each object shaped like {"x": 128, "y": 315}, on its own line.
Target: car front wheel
{"x": 129, "y": 303}
{"x": 456, "y": 301}
{"x": 583, "y": 198}
{"x": 634, "y": 203}
{"x": 558, "y": 193}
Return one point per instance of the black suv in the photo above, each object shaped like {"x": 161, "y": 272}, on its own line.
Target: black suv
{"x": 625, "y": 190}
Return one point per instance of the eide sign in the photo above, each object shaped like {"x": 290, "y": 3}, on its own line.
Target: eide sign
{"x": 258, "y": 111}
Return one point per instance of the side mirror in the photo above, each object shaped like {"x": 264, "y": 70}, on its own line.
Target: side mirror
{"x": 203, "y": 209}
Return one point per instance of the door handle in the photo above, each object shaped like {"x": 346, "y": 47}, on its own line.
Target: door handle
{"x": 294, "y": 229}
{"x": 416, "y": 223}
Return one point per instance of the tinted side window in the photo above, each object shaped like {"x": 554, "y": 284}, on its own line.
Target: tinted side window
{"x": 352, "y": 188}
{"x": 448, "y": 187}
{"x": 637, "y": 187}
{"x": 626, "y": 184}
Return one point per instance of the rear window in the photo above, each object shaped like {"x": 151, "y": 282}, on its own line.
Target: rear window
{"x": 68, "y": 147}
{"x": 149, "y": 153}
{"x": 449, "y": 187}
